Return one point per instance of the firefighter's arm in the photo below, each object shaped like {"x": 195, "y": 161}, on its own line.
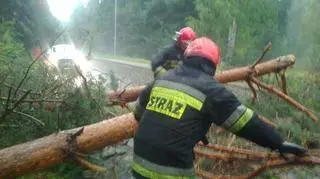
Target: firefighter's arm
{"x": 244, "y": 122}
{"x": 262, "y": 134}
{"x": 159, "y": 59}
{"x": 141, "y": 103}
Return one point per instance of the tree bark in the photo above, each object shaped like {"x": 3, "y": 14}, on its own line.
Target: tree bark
{"x": 51, "y": 150}
{"x": 231, "y": 41}
{"x": 235, "y": 74}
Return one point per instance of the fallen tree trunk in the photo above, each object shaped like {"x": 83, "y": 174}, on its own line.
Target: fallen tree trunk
{"x": 236, "y": 74}
{"x": 53, "y": 149}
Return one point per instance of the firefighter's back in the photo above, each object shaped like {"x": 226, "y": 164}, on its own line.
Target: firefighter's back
{"x": 176, "y": 117}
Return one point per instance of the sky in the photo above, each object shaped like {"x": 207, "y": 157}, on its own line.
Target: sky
{"x": 63, "y": 9}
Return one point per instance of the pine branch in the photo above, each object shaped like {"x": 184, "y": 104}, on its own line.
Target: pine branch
{"x": 264, "y": 51}
{"x": 35, "y": 60}
{"x": 269, "y": 160}
{"x": 30, "y": 117}
{"x": 285, "y": 97}
{"x": 32, "y": 100}
{"x": 24, "y": 90}
{"x": 279, "y": 163}
{"x": 246, "y": 154}
{"x": 16, "y": 104}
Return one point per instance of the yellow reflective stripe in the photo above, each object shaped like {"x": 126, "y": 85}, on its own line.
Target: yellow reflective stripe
{"x": 182, "y": 87}
{"x": 171, "y": 102}
{"x": 177, "y": 96}
{"x": 242, "y": 121}
{"x": 155, "y": 175}
{"x": 159, "y": 71}
{"x": 168, "y": 170}
{"x": 237, "y": 113}
{"x": 171, "y": 64}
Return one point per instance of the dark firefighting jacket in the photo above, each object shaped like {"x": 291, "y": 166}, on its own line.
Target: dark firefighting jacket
{"x": 169, "y": 58}
{"x": 175, "y": 112}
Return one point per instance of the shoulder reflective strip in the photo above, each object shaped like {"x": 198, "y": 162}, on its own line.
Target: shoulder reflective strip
{"x": 172, "y": 64}
{"x": 146, "y": 167}
{"x": 153, "y": 175}
{"x": 234, "y": 117}
{"x": 176, "y": 95}
{"x": 159, "y": 70}
{"x": 245, "y": 118}
{"x": 182, "y": 87}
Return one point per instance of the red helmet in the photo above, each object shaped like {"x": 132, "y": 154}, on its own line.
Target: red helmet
{"x": 185, "y": 34}
{"x": 204, "y": 47}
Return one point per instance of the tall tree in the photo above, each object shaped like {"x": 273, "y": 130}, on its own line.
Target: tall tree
{"x": 311, "y": 33}
{"x": 257, "y": 23}
{"x": 32, "y": 20}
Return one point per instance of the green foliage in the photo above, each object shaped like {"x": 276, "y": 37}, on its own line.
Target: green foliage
{"x": 311, "y": 32}
{"x": 32, "y": 20}
{"x": 142, "y": 26}
{"x": 82, "y": 104}
{"x": 62, "y": 171}
{"x": 257, "y": 23}
{"x": 8, "y": 46}
{"x": 10, "y": 49}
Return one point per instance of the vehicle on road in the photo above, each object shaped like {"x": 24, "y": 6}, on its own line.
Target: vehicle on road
{"x": 65, "y": 57}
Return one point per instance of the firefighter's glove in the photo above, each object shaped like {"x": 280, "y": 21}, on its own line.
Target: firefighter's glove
{"x": 291, "y": 148}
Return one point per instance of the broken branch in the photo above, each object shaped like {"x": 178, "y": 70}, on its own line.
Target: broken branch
{"x": 283, "y": 163}
{"x": 255, "y": 155}
{"x": 269, "y": 160}
{"x": 33, "y": 100}
{"x": 283, "y": 82}
{"x": 89, "y": 165}
{"x": 207, "y": 175}
{"x": 286, "y": 98}
{"x": 253, "y": 71}
{"x": 24, "y": 90}
{"x": 236, "y": 74}
{"x": 31, "y": 117}
{"x": 264, "y": 51}
{"x": 254, "y": 93}
{"x": 84, "y": 79}
{"x": 227, "y": 156}
{"x": 8, "y": 111}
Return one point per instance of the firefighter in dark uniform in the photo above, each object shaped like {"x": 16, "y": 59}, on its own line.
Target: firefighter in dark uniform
{"x": 172, "y": 55}
{"x": 176, "y": 111}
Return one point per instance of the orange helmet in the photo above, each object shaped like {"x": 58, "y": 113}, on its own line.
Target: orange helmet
{"x": 185, "y": 36}
{"x": 206, "y": 48}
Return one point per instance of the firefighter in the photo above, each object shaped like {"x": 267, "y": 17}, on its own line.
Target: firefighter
{"x": 176, "y": 111}
{"x": 171, "y": 56}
